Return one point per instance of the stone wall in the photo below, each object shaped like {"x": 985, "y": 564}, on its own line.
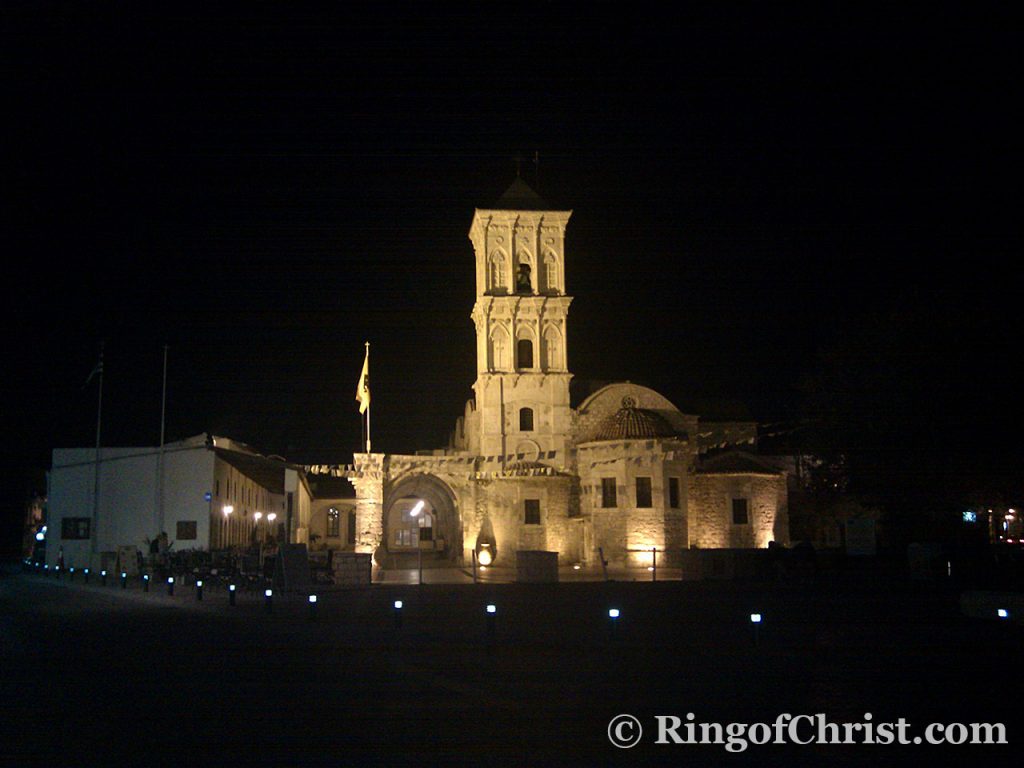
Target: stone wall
{"x": 710, "y": 509}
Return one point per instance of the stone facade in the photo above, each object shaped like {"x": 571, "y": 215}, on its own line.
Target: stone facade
{"x": 623, "y": 474}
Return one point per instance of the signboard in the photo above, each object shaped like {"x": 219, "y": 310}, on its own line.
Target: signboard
{"x": 860, "y": 537}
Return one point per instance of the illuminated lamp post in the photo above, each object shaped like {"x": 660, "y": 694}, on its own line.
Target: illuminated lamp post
{"x": 170, "y": 586}
{"x": 103, "y": 576}
{"x": 124, "y": 580}
{"x": 491, "y": 611}
{"x": 613, "y": 619}
{"x": 415, "y": 513}
{"x": 398, "y": 614}
{"x": 145, "y": 582}
{"x": 86, "y": 572}
{"x": 231, "y": 594}
{"x": 199, "y": 590}
{"x": 755, "y": 622}
{"x": 312, "y": 607}
{"x": 268, "y": 600}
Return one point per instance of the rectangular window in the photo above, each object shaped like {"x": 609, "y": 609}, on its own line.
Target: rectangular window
{"x": 608, "y": 492}
{"x": 351, "y": 527}
{"x": 333, "y": 523}
{"x": 643, "y": 492}
{"x": 739, "y": 512}
{"x": 217, "y": 488}
{"x": 406, "y": 538}
{"x": 75, "y": 527}
{"x": 186, "y": 530}
{"x": 532, "y": 509}
{"x": 673, "y": 492}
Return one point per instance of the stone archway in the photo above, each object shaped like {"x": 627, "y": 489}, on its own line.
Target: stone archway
{"x": 405, "y": 533}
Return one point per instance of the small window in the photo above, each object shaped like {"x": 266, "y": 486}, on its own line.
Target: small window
{"x": 532, "y": 509}
{"x": 186, "y": 530}
{"x": 333, "y": 523}
{"x": 526, "y": 419}
{"x": 524, "y": 353}
{"x": 643, "y": 492}
{"x": 739, "y": 512}
{"x": 75, "y": 527}
{"x": 608, "y": 498}
{"x": 351, "y": 526}
{"x": 673, "y": 492}
{"x": 426, "y": 523}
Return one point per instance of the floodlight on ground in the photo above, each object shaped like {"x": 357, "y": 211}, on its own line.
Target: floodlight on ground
{"x": 613, "y": 613}
{"x": 1002, "y": 613}
{"x": 755, "y": 618}
{"x": 398, "y": 605}
{"x": 312, "y": 598}
{"x": 492, "y": 608}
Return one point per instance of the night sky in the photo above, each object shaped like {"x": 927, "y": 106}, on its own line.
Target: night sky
{"x": 765, "y": 206}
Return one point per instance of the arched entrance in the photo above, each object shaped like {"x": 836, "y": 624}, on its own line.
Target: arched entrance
{"x": 421, "y": 517}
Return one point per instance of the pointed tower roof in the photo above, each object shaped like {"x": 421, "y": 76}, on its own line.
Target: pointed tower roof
{"x": 520, "y": 197}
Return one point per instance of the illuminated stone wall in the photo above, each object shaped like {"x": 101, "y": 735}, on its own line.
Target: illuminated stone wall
{"x": 710, "y": 510}
{"x": 627, "y": 533}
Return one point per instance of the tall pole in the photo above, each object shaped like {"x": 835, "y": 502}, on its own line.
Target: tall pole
{"x": 370, "y": 404}
{"x": 160, "y": 458}
{"x": 96, "y": 470}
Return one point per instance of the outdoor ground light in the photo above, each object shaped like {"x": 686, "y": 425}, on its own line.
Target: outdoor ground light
{"x": 71, "y": 572}
{"x": 231, "y": 594}
{"x": 170, "y": 586}
{"x": 86, "y": 572}
{"x": 613, "y": 619}
{"x": 199, "y": 589}
{"x": 492, "y": 614}
{"x": 268, "y": 600}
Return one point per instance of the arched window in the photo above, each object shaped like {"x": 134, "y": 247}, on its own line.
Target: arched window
{"x": 497, "y": 271}
{"x": 550, "y": 273}
{"x": 524, "y": 353}
{"x": 499, "y": 350}
{"x": 526, "y": 419}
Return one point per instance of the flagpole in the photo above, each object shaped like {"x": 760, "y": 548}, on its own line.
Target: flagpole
{"x": 369, "y": 404}
{"x": 96, "y": 471}
{"x": 160, "y": 460}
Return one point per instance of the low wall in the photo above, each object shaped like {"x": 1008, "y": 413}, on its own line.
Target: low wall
{"x": 536, "y": 566}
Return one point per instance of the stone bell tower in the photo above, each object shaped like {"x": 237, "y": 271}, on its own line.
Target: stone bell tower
{"x": 521, "y": 311}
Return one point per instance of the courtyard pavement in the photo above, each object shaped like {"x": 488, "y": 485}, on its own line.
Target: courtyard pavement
{"x": 93, "y": 675}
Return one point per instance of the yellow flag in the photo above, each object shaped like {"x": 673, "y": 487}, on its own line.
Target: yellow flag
{"x": 363, "y": 387}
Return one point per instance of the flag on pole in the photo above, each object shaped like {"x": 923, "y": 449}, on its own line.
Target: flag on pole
{"x": 363, "y": 387}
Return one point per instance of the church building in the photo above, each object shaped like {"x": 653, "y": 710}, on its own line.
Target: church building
{"x": 621, "y": 475}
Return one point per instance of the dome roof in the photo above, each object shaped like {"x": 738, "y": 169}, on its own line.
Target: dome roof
{"x": 632, "y": 423}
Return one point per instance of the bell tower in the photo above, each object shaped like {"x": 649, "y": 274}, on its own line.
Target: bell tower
{"x": 521, "y": 311}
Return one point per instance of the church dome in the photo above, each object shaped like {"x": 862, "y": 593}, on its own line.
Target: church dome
{"x": 632, "y": 423}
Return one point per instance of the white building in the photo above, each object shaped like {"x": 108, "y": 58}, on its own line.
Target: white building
{"x": 205, "y": 493}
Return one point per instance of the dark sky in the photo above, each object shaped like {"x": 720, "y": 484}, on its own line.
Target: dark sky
{"x": 266, "y": 191}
